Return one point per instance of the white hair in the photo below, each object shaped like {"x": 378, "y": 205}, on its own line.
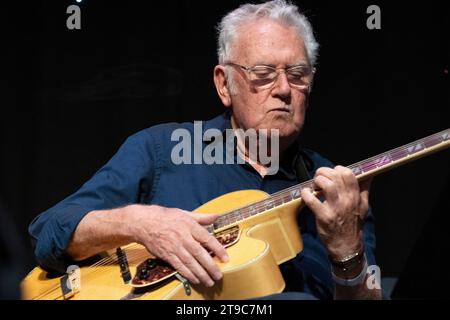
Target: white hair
{"x": 279, "y": 10}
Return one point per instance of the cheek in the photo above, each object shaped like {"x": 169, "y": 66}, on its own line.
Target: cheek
{"x": 300, "y": 104}
{"x": 252, "y": 105}
{"x": 249, "y": 113}
{"x": 261, "y": 99}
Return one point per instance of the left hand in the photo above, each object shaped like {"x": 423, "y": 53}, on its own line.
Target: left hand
{"x": 340, "y": 217}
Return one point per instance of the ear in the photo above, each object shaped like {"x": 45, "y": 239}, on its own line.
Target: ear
{"x": 220, "y": 80}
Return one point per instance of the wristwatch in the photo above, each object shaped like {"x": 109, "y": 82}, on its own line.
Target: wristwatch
{"x": 359, "y": 279}
{"x": 349, "y": 262}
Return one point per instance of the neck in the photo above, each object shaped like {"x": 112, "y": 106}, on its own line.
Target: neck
{"x": 265, "y": 156}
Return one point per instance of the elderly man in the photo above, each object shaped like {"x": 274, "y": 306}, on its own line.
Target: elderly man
{"x": 267, "y": 54}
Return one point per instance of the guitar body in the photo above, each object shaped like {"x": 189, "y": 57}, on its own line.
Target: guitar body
{"x": 260, "y": 232}
{"x": 266, "y": 240}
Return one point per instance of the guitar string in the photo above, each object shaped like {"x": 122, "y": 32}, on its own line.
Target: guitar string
{"x": 133, "y": 252}
{"x": 405, "y": 147}
{"x": 138, "y": 253}
{"x": 104, "y": 262}
{"x": 263, "y": 204}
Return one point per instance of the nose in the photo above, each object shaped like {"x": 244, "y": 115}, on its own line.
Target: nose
{"x": 281, "y": 87}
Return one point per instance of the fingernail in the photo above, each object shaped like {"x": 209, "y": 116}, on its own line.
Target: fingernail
{"x": 210, "y": 283}
{"x": 217, "y": 276}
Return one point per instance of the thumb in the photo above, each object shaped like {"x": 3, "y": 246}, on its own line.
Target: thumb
{"x": 204, "y": 219}
{"x": 364, "y": 187}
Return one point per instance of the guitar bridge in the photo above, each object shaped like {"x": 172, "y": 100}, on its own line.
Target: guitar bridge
{"x": 71, "y": 282}
{"x": 123, "y": 264}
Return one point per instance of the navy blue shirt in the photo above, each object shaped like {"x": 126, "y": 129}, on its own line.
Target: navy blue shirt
{"x": 142, "y": 172}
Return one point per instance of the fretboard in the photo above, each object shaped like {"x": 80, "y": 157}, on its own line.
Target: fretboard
{"x": 366, "y": 168}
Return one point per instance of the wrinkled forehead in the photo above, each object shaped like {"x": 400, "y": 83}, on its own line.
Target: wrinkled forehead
{"x": 266, "y": 41}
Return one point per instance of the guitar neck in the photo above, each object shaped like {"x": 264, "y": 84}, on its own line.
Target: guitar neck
{"x": 363, "y": 169}
{"x": 402, "y": 155}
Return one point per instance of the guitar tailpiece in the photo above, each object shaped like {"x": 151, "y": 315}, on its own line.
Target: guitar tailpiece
{"x": 185, "y": 282}
{"x": 123, "y": 263}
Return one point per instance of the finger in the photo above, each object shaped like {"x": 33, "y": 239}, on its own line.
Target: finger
{"x": 204, "y": 259}
{"x": 336, "y": 175}
{"x": 190, "y": 262}
{"x": 311, "y": 201}
{"x": 211, "y": 243}
{"x": 204, "y": 219}
{"x": 348, "y": 178}
{"x": 351, "y": 190}
{"x": 328, "y": 173}
{"x": 178, "y": 265}
{"x": 364, "y": 191}
{"x": 328, "y": 187}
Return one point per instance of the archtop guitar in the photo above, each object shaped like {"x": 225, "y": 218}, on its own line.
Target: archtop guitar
{"x": 259, "y": 230}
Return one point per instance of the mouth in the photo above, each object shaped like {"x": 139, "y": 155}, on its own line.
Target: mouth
{"x": 281, "y": 109}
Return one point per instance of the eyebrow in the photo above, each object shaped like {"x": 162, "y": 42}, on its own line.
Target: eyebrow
{"x": 301, "y": 63}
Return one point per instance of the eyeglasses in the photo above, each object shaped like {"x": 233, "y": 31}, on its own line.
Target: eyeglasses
{"x": 263, "y": 77}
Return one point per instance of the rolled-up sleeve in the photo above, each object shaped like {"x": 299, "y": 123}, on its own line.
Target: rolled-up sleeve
{"x": 127, "y": 178}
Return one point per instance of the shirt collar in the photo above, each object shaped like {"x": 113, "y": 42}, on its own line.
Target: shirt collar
{"x": 287, "y": 165}
{"x": 221, "y": 122}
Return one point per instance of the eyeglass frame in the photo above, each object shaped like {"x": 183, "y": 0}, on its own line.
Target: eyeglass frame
{"x": 249, "y": 70}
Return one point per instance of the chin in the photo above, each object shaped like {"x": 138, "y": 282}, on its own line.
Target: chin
{"x": 287, "y": 128}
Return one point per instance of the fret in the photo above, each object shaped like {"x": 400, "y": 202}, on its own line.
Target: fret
{"x": 245, "y": 213}
{"x": 269, "y": 204}
{"x": 252, "y": 210}
{"x": 368, "y": 166}
{"x": 227, "y": 220}
{"x": 287, "y": 197}
{"x": 278, "y": 201}
{"x": 357, "y": 170}
{"x": 295, "y": 194}
{"x": 415, "y": 148}
{"x": 432, "y": 141}
{"x": 234, "y": 216}
{"x": 398, "y": 154}
{"x": 292, "y": 193}
{"x": 383, "y": 160}
{"x": 221, "y": 222}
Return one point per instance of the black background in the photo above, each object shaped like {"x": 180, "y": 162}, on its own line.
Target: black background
{"x": 71, "y": 97}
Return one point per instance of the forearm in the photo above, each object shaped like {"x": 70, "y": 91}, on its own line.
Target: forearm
{"x": 99, "y": 231}
{"x": 176, "y": 236}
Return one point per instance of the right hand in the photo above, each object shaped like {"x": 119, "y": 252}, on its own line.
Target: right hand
{"x": 179, "y": 238}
